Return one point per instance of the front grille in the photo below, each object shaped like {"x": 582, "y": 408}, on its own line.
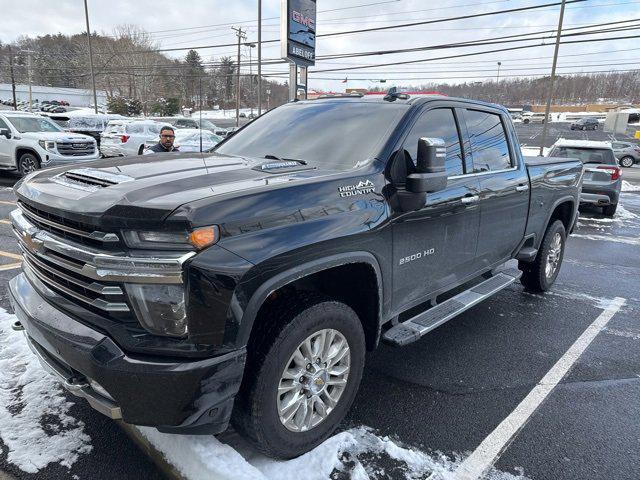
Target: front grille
{"x": 76, "y": 149}
{"x": 56, "y": 275}
{"x": 69, "y": 229}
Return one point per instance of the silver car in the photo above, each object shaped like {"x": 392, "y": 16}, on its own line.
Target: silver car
{"x": 602, "y": 179}
{"x": 627, "y": 153}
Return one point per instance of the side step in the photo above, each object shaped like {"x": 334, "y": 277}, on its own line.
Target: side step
{"x": 413, "y": 329}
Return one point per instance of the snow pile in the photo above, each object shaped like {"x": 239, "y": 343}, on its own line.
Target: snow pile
{"x": 357, "y": 453}
{"x": 34, "y": 413}
{"x": 630, "y": 187}
{"x": 609, "y": 238}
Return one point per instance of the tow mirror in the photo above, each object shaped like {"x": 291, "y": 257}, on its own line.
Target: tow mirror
{"x": 5, "y": 132}
{"x": 431, "y": 174}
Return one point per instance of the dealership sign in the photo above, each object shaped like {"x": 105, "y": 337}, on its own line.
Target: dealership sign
{"x": 298, "y": 31}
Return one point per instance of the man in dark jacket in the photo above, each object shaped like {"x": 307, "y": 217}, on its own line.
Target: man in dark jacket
{"x": 165, "y": 144}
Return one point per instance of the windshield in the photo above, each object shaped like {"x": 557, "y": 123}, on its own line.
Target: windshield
{"x": 85, "y": 123}
{"x": 335, "y": 134}
{"x": 34, "y": 124}
{"x": 585, "y": 155}
{"x": 207, "y": 125}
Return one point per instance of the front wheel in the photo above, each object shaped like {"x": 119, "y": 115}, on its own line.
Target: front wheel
{"x": 539, "y": 275}
{"x": 301, "y": 378}
{"x": 626, "y": 162}
{"x": 28, "y": 163}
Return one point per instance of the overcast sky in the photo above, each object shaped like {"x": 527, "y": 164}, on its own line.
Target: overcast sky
{"x": 190, "y": 23}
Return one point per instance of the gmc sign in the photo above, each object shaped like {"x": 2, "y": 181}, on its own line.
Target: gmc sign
{"x": 298, "y": 31}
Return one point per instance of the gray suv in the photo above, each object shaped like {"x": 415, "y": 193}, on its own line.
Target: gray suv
{"x": 627, "y": 153}
{"x": 602, "y": 180}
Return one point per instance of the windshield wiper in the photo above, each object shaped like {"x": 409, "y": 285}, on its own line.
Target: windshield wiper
{"x": 273, "y": 157}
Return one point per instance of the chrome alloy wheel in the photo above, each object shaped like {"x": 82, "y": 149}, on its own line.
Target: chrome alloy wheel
{"x": 28, "y": 165}
{"x": 313, "y": 380}
{"x": 553, "y": 257}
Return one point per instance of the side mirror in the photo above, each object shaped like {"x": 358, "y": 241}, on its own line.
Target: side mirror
{"x": 431, "y": 175}
{"x": 5, "y": 132}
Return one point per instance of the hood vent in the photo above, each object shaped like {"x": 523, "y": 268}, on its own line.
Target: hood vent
{"x": 90, "y": 179}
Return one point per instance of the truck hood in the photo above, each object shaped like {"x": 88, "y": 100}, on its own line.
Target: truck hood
{"x": 56, "y": 136}
{"x": 145, "y": 189}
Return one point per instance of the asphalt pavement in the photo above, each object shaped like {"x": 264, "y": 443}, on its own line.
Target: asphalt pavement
{"x": 451, "y": 391}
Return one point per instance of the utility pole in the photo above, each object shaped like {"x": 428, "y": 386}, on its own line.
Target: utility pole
{"x": 29, "y": 52}
{"x": 251, "y": 97}
{"x": 259, "y": 57}
{"x": 13, "y": 79}
{"x": 241, "y": 36}
{"x": 93, "y": 76}
{"x": 498, "y": 76}
{"x": 552, "y": 79}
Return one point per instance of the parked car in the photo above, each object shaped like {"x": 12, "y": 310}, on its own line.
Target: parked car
{"x": 602, "y": 180}
{"x": 529, "y": 117}
{"x": 129, "y": 138}
{"x": 587, "y": 123}
{"x": 627, "y": 153}
{"x": 188, "y": 140}
{"x": 248, "y": 283}
{"x": 29, "y": 142}
{"x": 91, "y": 124}
{"x": 177, "y": 122}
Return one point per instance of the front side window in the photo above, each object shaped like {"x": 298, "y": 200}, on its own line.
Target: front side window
{"x": 3, "y": 124}
{"x": 489, "y": 146}
{"x": 34, "y": 124}
{"x": 438, "y": 123}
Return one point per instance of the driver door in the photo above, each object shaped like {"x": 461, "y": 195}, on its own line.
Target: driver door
{"x": 434, "y": 248}
{"x": 6, "y": 147}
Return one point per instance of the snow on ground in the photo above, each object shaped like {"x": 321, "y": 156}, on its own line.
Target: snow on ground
{"x": 220, "y": 114}
{"x": 534, "y": 151}
{"x": 35, "y": 423}
{"x": 356, "y": 453}
{"x": 630, "y": 187}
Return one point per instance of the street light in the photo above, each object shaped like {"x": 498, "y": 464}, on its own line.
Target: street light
{"x": 498, "y": 76}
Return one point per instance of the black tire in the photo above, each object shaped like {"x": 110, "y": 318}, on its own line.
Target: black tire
{"x": 609, "y": 210}
{"x": 525, "y": 121}
{"x": 534, "y": 274}
{"x": 255, "y": 413}
{"x": 28, "y": 163}
{"x": 627, "y": 162}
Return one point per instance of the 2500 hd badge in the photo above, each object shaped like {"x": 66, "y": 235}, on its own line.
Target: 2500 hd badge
{"x": 417, "y": 256}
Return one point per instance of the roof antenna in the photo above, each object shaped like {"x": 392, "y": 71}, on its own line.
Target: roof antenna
{"x": 393, "y": 95}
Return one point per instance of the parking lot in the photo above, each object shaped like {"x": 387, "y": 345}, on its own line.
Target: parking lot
{"x": 430, "y": 410}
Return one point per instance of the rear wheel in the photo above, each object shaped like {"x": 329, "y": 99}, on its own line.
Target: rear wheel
{"x": 301, "y": 377}
{"x": 28, "y": 163}
{"x": 539, "y": 275}
{"x": 609, "y": 210}
{"x": 626, "y": 162}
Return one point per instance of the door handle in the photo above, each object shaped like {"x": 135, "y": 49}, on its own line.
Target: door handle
{"x": 522, "y": 188}
{"x": 471, "y": 199}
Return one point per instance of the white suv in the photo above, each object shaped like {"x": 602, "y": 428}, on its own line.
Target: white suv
{"x": 29, "y": 142}
{"x": 129, "y": 138}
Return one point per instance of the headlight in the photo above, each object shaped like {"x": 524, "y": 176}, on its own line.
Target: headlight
{"x": 182, "y": 240}
{"x": 159, "y": 308}
{"x": 48, "y": 145}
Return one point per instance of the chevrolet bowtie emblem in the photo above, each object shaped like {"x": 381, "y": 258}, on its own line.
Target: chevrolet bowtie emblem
{"x": 33, "y": 244}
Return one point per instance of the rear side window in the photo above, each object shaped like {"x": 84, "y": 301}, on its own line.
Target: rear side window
{"x": 488, "y": 139}
{"x": 438, "y": 123}
{"x": 585, "y": 155}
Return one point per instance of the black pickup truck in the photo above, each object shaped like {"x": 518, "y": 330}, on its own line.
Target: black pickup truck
{"x": 185, "y": 291}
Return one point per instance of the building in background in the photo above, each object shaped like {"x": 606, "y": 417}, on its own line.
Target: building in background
{"x": 76, "y": 97}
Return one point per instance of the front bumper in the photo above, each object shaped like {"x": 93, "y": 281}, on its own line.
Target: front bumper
{"x": 172, "y": 395}
{"x": 51, "y": 159}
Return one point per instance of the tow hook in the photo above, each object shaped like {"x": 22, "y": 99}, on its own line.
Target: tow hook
{"x": 17, "y": 326}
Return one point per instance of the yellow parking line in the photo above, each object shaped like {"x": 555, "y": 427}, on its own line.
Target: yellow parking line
{"x": 11, "y": 266}
{"x": 4, "y": 202}
{"x": 10, "y": 255}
